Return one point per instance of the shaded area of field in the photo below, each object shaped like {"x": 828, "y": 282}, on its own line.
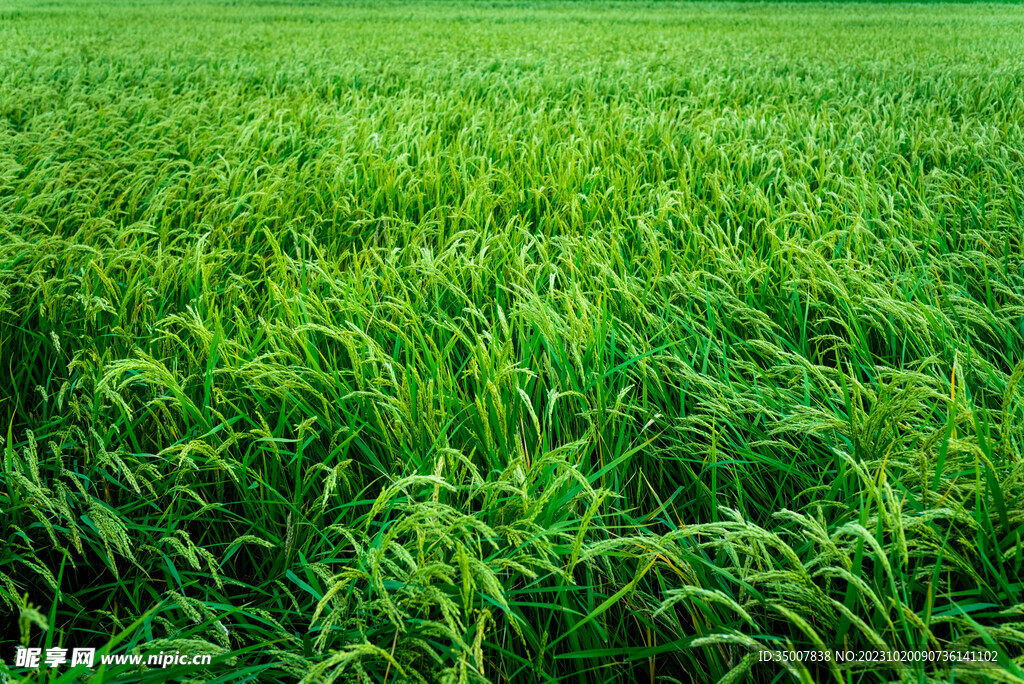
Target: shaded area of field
{"x": 513, "y": 342}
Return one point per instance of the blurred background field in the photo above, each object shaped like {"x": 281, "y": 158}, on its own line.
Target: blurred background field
{"x": 512, "y": 342}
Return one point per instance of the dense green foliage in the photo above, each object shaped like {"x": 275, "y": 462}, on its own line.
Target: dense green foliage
{"x": 471, "y": 342}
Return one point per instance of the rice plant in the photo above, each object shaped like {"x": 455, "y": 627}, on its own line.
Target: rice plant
{"x": 512, "y": 342}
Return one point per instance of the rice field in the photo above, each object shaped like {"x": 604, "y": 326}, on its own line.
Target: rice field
{"x": 455, "y": 341}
